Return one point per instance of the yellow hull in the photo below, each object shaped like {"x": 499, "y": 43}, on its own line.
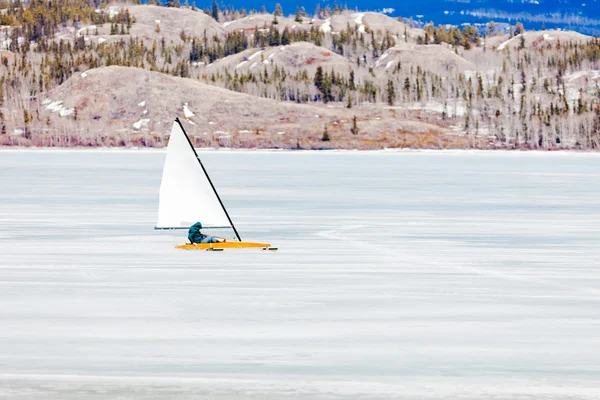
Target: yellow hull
{"x": 224, "y": 245}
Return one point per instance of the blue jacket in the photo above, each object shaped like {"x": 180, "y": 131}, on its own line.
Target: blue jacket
{"x": 194, "y": 234}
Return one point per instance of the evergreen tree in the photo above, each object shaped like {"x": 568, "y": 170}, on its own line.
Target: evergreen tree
{"x": 351, "y": 84}
{"x": 319, "y": 78}
{"x": 215, "y": 10}
{"x": 298, "y": 17}
{"x": 391, "y": 93}
{"x": 519, "y": 29}
{"x": 354, "y": 128}
{"x": 278, "y": 10}
{"x": 325, "y": 137}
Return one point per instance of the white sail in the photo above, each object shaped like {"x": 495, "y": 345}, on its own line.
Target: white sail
{"x": 186, "y": 194}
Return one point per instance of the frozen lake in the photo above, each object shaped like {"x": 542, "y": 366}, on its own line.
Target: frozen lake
{"x": 399, "y": 275}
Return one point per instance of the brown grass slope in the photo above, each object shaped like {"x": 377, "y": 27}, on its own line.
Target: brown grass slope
{"x": 170, "y": 21}
{"x": 118, "y": 106}
{"x": 536, "y": 39}
{"x": 293, "y": 57}
{"x": 431, "y": 57}
{"x": 263, "y": 21}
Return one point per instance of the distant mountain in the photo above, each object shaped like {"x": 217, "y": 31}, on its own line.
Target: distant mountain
{"x": 579, "y": 15}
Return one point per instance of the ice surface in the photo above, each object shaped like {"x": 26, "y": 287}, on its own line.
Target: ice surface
{"x": 407, "y": 275}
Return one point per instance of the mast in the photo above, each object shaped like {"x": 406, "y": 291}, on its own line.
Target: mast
{"x": 208, "y": 177}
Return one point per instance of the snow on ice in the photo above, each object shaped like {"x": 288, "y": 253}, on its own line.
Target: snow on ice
{"x": 103, "y": 306}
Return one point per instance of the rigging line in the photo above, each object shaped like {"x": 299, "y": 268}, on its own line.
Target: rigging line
{"x": 208, "y": 177}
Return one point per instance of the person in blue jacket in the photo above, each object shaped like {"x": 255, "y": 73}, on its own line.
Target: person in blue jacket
{"x": 195, "y": 236}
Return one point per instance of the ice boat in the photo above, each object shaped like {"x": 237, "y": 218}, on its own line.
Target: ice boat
{"x": 187, "y": 195}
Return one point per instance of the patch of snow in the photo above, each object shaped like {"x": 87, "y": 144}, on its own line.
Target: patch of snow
{"x": 282, "y": 48}
{"x": 84, "y": 74}
{"x": 211, "y": 122}
{"x": 187, "y": 112}
{"x": 358, "y": 20}
{"x": 46, "y": 101}
{"x": 326, "y": 27}
{"x": 55, "y": 106}
{"x": 271, "y": 55}
{"x": 66, "y": 111}
{"x": 548, "y": 38}
{"x": 293, "y": 26}
{"x": 504, "y": 44}
{"x": 254, "y": 64}
{"x": 240, "y": 64}
{"x": 144, "y": 112}
{"x": 101, "y": 40}
{"x": 244, "y": 131}
{"x": 254, "y": 55}
{"x": 113, "y": 11}
{"x": 383, "y": 57}
{"x": 85, "y": 28}
{"x": 266, "y": 62}
{"x": 587, "y": 73}
{"x": 17, "y": 132}
{"x": 316, "y": 115}
{"x": 389, "y": 64}
{"x": 142, "y": 103}
{"x": 157, "y": 21}
{"x": 227, "y": 23}
{"x": 140, "y": 123}
{"x": 281, "y": 133}
{"x": 191, "y": 122}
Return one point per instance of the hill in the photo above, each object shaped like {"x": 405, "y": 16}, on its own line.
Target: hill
{"x": 119, "y": 106}
{"x": 437, "y": 58}
{"x": 299, "y": 56}
{"x": 379, "y": 78}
